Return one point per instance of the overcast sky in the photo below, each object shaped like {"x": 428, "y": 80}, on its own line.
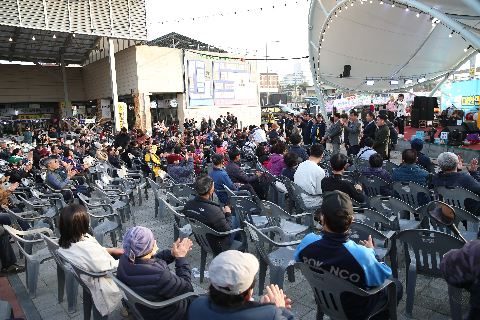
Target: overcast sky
{"x": 246, "y": 30}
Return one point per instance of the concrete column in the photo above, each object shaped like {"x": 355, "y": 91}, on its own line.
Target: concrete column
{"x": 143, "y": 116}
{"x": 113, "y": 83}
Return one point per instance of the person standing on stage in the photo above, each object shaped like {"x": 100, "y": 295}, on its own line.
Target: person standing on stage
{"x": 391, "y": 109}
{"x": 401, "y": 107}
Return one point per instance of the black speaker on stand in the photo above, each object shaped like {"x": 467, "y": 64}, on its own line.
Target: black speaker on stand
{"x": 426, "y": 105}
{"x": 415, "y": 118}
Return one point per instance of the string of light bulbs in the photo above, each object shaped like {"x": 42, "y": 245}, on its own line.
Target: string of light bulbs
{"x": 371, "y": 81}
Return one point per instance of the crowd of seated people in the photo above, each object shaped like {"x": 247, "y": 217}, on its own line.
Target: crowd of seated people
{"x": 144, "y": 268}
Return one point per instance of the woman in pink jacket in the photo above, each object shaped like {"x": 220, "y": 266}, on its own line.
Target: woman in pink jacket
{"x": 276, "y": 164}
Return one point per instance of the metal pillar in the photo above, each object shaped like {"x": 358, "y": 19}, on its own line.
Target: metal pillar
{"x": 449, "y": 22}
{"x": 65, "y": 87}
{"x": 113, "y": 82}
{"x": 473, "y": 4}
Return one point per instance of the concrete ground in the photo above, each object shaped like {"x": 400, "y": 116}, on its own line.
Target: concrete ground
{"x": 431, "y": 299}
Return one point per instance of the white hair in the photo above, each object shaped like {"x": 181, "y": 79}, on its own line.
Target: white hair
{"x": 448, "y": 161}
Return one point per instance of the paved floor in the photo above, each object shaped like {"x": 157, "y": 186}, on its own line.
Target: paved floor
{"x": 431, "y": 300}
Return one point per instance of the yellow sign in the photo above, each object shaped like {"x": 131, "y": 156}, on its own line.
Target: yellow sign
{"x": 62, "y": 104}
{"x": 471, "y": 101}
{"x": 122, "y": 115}
{"x": 472, "y": 72}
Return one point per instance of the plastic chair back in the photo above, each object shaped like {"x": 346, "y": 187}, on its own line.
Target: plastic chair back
{"x": 372, "y": 218}
{"x": 428, "y": 247}
{"x": 328, "y": 288}
{"x": 372, "y": 185}
{"x": 181, "y": 228}
{"x": 389, "y": 166}
{"x": 460, "y": 216}
{"x": 410, "y": 191}
{"x": 295, "y": 191}
{"x": 132, "y": 299}
{"x": 455, "y": 196}
{"x": 243, "y": 209}
{"x": 389, "y": 206}
{"x": 183, "y": 191}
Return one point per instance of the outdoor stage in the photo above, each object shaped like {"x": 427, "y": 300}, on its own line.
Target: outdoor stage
{"x": 410, "y": 131}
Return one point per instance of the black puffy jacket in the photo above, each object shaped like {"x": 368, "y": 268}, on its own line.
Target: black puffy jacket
{"x": 210, "y": 214}
{"x": 153, "y": 280}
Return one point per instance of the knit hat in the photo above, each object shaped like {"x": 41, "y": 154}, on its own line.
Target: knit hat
{"x": 137, "y": 242}
{"x": 174, "y": 157}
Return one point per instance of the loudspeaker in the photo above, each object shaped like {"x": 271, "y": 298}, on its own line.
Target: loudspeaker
{"x": 415, "y": 119}
{"x": 471, "y": 127}
{"x": 426, "y": 105}
{"x": 346, "y": 70}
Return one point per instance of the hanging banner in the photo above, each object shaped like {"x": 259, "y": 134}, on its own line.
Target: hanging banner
{"x": 106, "y": 109}
{"x": 66, "y": 111}
{"x": 122, "y": 115}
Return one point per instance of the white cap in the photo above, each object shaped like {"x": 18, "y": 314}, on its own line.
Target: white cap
{"x": 232, "y": 272}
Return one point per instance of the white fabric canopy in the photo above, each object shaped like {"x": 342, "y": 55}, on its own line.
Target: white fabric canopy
{"x": 384, "y": 43}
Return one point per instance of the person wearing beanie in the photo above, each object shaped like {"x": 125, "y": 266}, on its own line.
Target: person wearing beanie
{"x": 146, "y": 272}
{"x": 232, "y": 275}
{"x": 423, "y": 160}
{"x": 181, "y": 170}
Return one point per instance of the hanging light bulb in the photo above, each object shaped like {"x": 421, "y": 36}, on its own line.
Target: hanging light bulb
{"x": 340, "y": 9}
{"x": 336, "y": 14}
{"x": 10, "y": 39}
{"x": 361, "y": 2}
{"x": 346, "y": 6}
{"x": 73, "y": 35}
{"x": 393, "y": 5}
{"x": 351, "y": 4}
{"x": 33, "y": 37}
{"x": 54, "y": 37}
{"x": 451, "y": 34}
{"x": 418, "y": 14}
{"x": 407, "y": 9}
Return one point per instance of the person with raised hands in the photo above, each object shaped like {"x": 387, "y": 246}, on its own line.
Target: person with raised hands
{"x": 146, "y": 272}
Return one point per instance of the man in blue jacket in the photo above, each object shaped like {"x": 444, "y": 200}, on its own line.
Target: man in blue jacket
{"x": 295, "y": 140}
{"x": 423, "y": 160}
{"x": 147, "y": 273}
{"x": 412, "y": 173}
{"x": 232, "y": 276}
{"x": 333, "y": 251}
{"x": 451, "y": 164}
{"x": 220, "y": 178}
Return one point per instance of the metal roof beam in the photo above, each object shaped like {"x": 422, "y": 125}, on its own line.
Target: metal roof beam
{"x": 14, "y": 40}
{"x": 38, "y": 54}
{"x": 66, "y": 43}
{"x": 44, "y": 68}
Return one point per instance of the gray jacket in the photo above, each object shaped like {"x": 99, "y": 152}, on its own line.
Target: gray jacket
{"x": 335, "y": 132}
{"x": 353, "y": 131}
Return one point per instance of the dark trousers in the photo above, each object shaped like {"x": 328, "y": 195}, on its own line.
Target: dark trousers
{"x": 78, "y": 189}
{"x": 7, "y": 255}
{"x": 401, "y": 125}
{"x": 5, "y": 219}
{"x": 354, "y": 149}
{"x": 126, "y": 159}
{"x": 384, "y": 314}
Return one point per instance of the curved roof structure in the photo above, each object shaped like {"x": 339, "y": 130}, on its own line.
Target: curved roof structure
{"x": 402, "y": 40}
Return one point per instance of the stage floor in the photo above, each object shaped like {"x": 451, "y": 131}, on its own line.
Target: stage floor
{"x": 410, "y": 131}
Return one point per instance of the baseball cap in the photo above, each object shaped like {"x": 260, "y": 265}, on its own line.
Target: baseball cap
{"x": 335, "y": 201}
{"x": 416, "y": 143}
{"x": 14, "y": 159}
{"x": 137, "y": 242}
{"x": 232, "y": 272}
{"x": 174, "y": 157}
